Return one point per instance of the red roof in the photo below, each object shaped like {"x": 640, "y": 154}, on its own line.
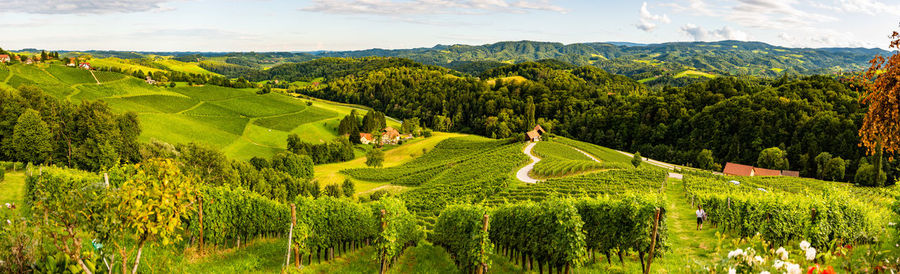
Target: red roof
{"x": 4, "y": 56}
{"x": 390, "y": 132}
{"x": 766, "y": 172}
{"x": 738, "y": 169}
{"x": 539, "y": 129}
{"x": 366, "y": 136}
{"x": 533, "y": 134}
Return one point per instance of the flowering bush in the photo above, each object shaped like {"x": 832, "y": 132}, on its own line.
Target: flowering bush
{"x": 760, "y": 259}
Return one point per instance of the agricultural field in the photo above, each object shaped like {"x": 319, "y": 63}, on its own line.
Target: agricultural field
{"x": 237, "y": 121}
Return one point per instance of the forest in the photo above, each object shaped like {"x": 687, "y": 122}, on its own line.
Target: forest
{"x": 733, "y": 117}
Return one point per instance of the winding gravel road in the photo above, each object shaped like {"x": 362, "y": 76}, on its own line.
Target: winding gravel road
{"x": 522, "y": 174}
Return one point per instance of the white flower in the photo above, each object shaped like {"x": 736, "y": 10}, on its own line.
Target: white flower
{"x": 735, "y": 253}
{"x": 891, "y": 224}
{"x": 778, "y": 264}
{"x": 759, "y": 260}
{"x": 8, "y": 205}
{"x": 782, "y": 253}
{"x": 764, "y": 272}
{"x": 732, "y": 271}
{"x": 810, "y": 254}
{"x": 804, "y": 245}
{"x": 792, "y": 268}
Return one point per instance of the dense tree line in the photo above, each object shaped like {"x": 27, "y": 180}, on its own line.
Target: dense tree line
{"x": 338, "y": 151}
{"x": 735, "y": 118}
{"x": 177, "y": 76}
{"x": 37, "y": 128}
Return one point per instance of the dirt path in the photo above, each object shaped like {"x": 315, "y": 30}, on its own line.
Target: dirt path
{"x": 95, "y": 76}
{"x": 522, "y": 174}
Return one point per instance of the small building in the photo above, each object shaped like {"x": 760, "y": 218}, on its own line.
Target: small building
{"x": 745, "y": 170}
{"x": 758, "y": 171}
{"x": 4, "y": 58}
{"x": 738, "y": 169}
{"x": 150, "y": 80}
{"x": 390, "y": 136}
{"x": 366, "y": 138}
{"x": 535, "y": 134}
{"x": 71, "y": 62}
{"x": 29, "y": 61}
{"x": 85, "y": 65}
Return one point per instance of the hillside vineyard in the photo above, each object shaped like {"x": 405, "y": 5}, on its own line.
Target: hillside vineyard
{"x": 511, "y": 157}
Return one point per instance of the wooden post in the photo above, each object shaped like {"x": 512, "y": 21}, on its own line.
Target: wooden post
{"x": 383, "y": 268}
{"x": 483, "y": 266}
{"x": 287, "y": 258}
{"x": 106, "y": 179}
{"x": 652, "y": 241}
{"x": 201, "y": 224}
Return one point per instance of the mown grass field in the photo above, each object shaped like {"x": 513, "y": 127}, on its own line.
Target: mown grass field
{"x": 240, "y": 122}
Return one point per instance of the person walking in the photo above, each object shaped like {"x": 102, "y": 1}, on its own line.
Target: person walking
{"x": 701, "y": 216}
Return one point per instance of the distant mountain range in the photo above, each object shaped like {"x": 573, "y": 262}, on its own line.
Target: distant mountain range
{"x": 645, "y": 62}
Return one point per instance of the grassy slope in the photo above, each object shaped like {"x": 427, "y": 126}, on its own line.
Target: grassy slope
{"x": 12, "y": 188}
{"x": 330, "y": 173}
{"x": 238, "y": 121}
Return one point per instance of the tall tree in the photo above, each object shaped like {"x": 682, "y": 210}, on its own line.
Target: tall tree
{"x": 773, "y": 158}
{"x": 529, "y": 112}
{"x": 880, "y": 86}
{"x": 31, "y": 138}
{"x": 375, "y": 158}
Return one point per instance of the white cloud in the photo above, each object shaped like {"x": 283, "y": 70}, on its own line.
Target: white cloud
{"x": 82, "y": 6}
{"x": 648, "y": 20}
{"x": 774, "y": 14}
{"x": 698, "y": 33}
{"x": 825, "y": 38}
{"x": 698, "y": 7}
{"x": 870, "y": 7}
{"x": 394, "y": 7}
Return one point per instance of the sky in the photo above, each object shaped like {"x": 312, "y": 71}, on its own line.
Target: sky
{"x": 312, "y": 25}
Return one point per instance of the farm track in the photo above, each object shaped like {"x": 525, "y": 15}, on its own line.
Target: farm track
{"x": 522, "y": 174}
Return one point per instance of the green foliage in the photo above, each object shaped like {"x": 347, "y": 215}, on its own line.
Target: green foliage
{"x": 338, "y": 151}
{"x": 334, "y": 191}
{"x": 551, "y": 231}
{"x": 398, "y": 228}
{"x": 375, "y": 158}
{"x": 460, "y": 230}
{"x": 298, "y": 166}
{"x": 624, "y": 223}
{"x": 825, "y": 213}
{"x": 333, "y": 221}
{"x": 865, "y": 174}
{"x": 706, "y": 161}
{"x": 558, "y": 159}
{"x": 230, "y": 214}
{"x": 373, "y": 121}
{"x": 349, "y": 187}
{"x": 773, "y": 158}
{"x": 834, "y": 169}
{"x": 822, "y": 163}
{"x": 31, "y": 138}
{"x": 637, "y": 159}
{"x": 612, "y": 182}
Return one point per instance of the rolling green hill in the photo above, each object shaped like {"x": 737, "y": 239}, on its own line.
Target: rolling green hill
{"x": 240, "y": 122}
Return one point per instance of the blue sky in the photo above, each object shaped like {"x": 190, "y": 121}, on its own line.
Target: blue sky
{"x": 276, "y": 25}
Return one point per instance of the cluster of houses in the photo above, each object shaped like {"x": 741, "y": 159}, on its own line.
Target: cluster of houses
{"x": 745, "y": 170}
{"x": 389, "y": 135}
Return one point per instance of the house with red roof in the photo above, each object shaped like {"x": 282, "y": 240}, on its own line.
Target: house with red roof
{"x": 390, "y": 136}
{"x": 4, "y": 58}
{"x": 366, "y": 138}
{"x": 535, "y": 134}
{"x": 745, "y": 170}
{"x": 738, "y": 169}
{"x": 71, "y": 62}
{"x": 84, "y": 65}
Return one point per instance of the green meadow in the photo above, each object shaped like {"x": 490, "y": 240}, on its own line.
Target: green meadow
{"x": 240, "y": 122}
